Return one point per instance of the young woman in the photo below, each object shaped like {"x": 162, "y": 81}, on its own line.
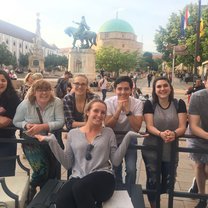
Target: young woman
{"x": 39, "y": 114}
{"x": 165, "y": 120}
{"x": 27, "y": 84}
{"x": 88, "y": 151}
{"x": 8, "y": 104}
{"x": 75, "y": 102}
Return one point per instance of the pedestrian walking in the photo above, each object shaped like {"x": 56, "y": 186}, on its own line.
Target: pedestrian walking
{"x": 103, "y": 86}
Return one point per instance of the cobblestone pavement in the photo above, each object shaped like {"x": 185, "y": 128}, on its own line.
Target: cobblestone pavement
{"x": 185, "y": 171}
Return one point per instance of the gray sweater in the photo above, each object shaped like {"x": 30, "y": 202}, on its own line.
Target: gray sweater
{"x": 104, "y": 154}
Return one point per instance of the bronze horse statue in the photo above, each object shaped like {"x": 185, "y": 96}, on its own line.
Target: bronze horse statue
{"x": 88, "y": 38}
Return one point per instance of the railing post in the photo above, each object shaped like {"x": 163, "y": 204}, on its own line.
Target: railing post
{"x": 159, "y": 151}
{"x": 174, "y": 155}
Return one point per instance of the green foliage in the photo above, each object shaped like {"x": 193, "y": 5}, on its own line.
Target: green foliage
{"x": 23, "y": 60}
{"x": 112, "y": 60}
{"x": 52, "y": 61}
{"x": 146, "y": 62}
{"x": 6, "y": 57}
{"x": 170, "y": 35}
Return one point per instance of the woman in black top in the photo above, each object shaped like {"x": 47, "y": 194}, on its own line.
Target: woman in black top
{"x": 165, "y": 119}
{"x": 8, "y": 104}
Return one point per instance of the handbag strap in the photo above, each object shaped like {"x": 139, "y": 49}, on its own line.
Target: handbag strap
{"x": 39, "y": 115}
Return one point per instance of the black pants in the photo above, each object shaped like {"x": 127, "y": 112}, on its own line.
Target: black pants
{"x": 104, "y": 91}
{"x": 85, "y": 192}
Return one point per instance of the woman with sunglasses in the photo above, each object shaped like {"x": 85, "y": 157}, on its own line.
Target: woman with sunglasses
{"x": 88, "y": 151}
{"x": 39, "y": 114}
{"x": 75, "y": 102}
{"x": 165, "y": 119}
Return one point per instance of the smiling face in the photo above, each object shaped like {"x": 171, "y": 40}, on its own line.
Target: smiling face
{"x": 162, "y": 89}
{"x": 80, "y": 85}
{"x": 97, "y": 113}
{"x": 43, "y": 96}
{"x": 3, "y": 83}
{"x": 123, "y": 91}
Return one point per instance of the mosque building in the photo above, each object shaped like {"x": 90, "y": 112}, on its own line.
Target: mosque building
{"x": 119, "y": 34}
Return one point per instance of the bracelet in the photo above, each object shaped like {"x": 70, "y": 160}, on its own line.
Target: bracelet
{"x": 175, "y": 134}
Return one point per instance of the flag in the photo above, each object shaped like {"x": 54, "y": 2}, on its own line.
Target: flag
{"x": 182, "y": 26}
{"x": 186, "y": 18}
{"x": 201, "y": 27}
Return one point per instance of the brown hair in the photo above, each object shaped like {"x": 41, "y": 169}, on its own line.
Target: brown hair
{"x": 88, "y": 107}
{"x": 85, "y": 77}
{"x": 39, "y": 85}
{"x": 154, "y": 96}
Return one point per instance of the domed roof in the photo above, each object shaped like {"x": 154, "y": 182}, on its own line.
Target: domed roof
{"x": 116, "y": 25}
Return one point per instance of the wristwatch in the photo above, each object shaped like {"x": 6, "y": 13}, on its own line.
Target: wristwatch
{"x": 129, "y": 113}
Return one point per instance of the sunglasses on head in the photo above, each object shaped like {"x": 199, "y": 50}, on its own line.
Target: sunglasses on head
{"x": 88, "y": 155}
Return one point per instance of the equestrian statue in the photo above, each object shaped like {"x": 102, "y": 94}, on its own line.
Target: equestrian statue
{"x": 82, "y": 33}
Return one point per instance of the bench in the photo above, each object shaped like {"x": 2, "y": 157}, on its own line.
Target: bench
{"x": 14, "y": 189}
{"x": 45, "y": 198}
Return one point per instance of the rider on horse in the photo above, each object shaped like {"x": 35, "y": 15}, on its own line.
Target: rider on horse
{"x": 82, "y": 27}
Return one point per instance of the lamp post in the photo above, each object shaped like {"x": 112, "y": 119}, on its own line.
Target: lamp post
{"x": 173, "y": 62}
{"x": 197, "y": 57}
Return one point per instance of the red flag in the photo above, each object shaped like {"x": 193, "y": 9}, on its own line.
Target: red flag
{"x": 186, "y": 18}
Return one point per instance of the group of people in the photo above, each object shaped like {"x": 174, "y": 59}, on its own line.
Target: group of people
{"x": 93, "y": 152}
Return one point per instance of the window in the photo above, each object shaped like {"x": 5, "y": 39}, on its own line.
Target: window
{"x": 123, "y": 45}
{"x": 20, "y": 45}
{"x": 7, "y": 42}
{"x": 26, "y": 47}
{"x": 14, "y": 43}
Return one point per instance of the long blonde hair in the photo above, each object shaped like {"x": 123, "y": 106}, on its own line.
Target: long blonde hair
{"x": 28, "y": 75}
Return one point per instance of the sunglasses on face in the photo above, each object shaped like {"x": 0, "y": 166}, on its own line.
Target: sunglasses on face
{"x": 88, "y": 155}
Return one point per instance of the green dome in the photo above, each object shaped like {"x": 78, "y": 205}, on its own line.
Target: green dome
{"x": 116, "y": 25}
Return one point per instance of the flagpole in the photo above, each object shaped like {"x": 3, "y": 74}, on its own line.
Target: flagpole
{"x": 173, "y": 63}
{"x": 196, "y": 58}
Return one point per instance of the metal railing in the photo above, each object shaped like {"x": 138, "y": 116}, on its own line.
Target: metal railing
{"x": 175, "y": 149}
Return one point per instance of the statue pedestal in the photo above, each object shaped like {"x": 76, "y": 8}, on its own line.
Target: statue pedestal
{"x": 82, "y": 61}
{"x": 36, "y": 62}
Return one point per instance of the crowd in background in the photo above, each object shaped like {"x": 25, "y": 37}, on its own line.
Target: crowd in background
{"x": 40, "y": 110}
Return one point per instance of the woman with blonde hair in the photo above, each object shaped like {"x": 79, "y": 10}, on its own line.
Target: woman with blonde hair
{"x": 39, "y": 114}
{"x": 28, "y": 80}
{"x": 92, "y": 181}
{"x": 75, "y": 102}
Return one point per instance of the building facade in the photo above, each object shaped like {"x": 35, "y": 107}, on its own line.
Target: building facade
{"x": 118, "y": 34}
{"x": 20, "y": 41}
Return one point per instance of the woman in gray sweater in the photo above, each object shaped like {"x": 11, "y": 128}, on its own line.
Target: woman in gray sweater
{"x": 90, "y": 151}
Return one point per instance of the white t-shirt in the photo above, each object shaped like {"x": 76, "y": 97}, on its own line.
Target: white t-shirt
{"x": 103, "y": 84}
{"x": 136, "y": 107}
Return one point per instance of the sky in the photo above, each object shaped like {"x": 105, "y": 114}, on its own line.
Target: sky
{"x": 145, "y": 16}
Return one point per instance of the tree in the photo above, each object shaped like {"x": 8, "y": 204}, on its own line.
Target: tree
{"x": 146, "y": 62}
{"x": 167, "y": 37}
{"x": 112, "y": 60}
{"x": 23, "y": 60}
{"x": 52, "y": 61}
{"x": 6, "y": 57}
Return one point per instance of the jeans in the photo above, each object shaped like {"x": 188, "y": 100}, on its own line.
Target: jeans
{"x": 104, "y": 91}
{"x": 130, "y": 161}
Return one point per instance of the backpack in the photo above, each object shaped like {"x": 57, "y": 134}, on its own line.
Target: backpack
{"x": 59, "y": 89}
{"x": 175, "y": 102}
